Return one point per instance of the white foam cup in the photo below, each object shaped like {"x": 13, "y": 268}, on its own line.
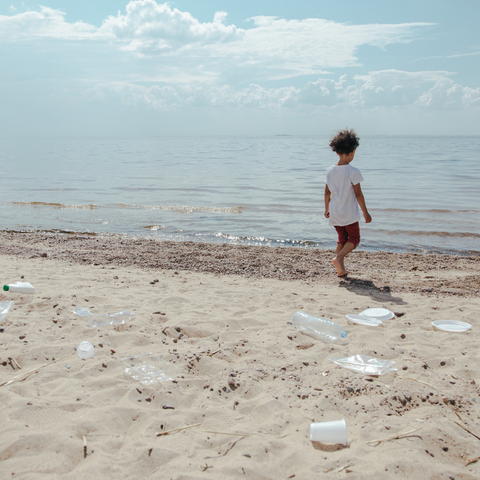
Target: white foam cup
{"x": 330, "y": 432}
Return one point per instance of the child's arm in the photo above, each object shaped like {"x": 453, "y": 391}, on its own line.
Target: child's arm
{"x": 328, "y": 194}
{"x": 361, "y": 201}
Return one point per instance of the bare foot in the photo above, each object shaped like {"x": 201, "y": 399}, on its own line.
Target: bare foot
{"x": 340, "y": 270}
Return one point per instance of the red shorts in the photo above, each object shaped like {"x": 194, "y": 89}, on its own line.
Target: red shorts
{"x": 349, "y": 233}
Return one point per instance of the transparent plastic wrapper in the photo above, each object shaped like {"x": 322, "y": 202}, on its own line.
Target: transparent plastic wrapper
{"x": 366, "y": 365}
{"x": 4, "y": 308}
{"x": 149, "y": 369}
{"x": 101, "y": 319}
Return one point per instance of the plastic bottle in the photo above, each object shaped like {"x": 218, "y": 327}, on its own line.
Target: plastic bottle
{"x": 102, "y": 319}
{"x": 85, "y": 350}
{"x": 320, "y": 328}
{"x": 19, "y": 287}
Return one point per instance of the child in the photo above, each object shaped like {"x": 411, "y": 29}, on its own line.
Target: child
{"x": 343, "y": 195}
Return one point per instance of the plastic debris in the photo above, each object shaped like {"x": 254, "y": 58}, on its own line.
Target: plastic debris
{"x": 4, "y": 308}
{"x": 149, "y": 369}
{"x": 318, "y": 327}
{"x": 85, "y": 350}
{"x": 102, "y": 319}
{"x": 366, "y": 365}
{"x": 19, "y": 287}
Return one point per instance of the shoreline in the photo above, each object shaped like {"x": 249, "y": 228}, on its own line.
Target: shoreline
{"x": 380, "y": 272}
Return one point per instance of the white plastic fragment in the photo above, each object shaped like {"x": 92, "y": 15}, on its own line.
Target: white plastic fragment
{"x": 4, "y": 308}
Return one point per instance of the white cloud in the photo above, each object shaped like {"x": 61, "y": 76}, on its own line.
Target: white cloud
{"x": 47, "y": 23}
{"x": 271, "y": 49}
{"x": 199, "y": 95}
{"x": 388, "y": 88}
{"x": 156, "y": 28}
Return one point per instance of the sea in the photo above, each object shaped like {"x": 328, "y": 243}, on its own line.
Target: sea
{"x": 423, "y": 192}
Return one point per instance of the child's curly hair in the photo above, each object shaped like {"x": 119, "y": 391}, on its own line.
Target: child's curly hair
{"x": 345, "y": 141}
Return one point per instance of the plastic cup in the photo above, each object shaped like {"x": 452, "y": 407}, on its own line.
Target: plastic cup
{"x": 85, "y": 350}
{"x": 329, "y": 432}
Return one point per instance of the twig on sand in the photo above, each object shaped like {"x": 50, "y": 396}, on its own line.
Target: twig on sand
{"x": 26, "y": 374}
{"x": 473, "y": 460}
{"x": 84, "y": 446}
{"x": 212, "y": 354}
{"x": 226, "y": 433}
{"x": 159, "y": 434}
{"x": 467, "y": 430}
{"x": 338, "y": 470}
{"x": 12, "y": 360}
{"x": 228, "y": 449}
{"x": 376, "y": 443}
{"x": 206, "y": 466}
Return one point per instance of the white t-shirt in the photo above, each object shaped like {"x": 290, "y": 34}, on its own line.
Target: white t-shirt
{"x": 340, "y": 180}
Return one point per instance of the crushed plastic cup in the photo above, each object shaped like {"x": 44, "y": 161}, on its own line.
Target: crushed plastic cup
{"x": 366, "y": 365}
{"x": 4, "y": 309}
{"x": 149, "y": 369}
{"x": 329, "y": 432}
{"x": 85, "y": 350}
{"x": 101, "y": 319}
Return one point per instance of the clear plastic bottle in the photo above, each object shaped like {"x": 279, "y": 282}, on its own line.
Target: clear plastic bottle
{"x": 102, "y": 319}
{"x": 318, "y": 327}
{"x": 85, "y": 350}
{"x": 19, "y": 287}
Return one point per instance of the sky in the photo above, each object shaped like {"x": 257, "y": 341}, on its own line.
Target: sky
{"x": 224, "y": 67}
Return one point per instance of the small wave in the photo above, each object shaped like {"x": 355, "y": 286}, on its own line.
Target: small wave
{"x": 420, "y": 233}
{"x": 263, "y": 240}
{"x": 187, "y": 209}
{"x": 154, "y": 228}
{"x": 56, "y": 205}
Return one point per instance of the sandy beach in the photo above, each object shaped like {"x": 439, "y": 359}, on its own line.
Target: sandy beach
{"x": 248, "y": 384}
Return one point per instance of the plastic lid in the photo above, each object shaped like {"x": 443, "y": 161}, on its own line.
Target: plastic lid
{"x": 6, "y": 287}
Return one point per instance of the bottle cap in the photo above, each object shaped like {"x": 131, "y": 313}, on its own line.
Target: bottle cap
{"x": 6, "y": 287}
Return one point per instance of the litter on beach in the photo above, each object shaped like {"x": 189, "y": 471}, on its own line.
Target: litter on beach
{"x": 102, "y": 319}
{"x": 4, "y": 309}
{"x": 149, "y": 369}
{"x": 366, "y": 365}
{"x": 19, "y": 287}
{"x": 453, "y": 326}
{"x": 378, "y": 313}
{"x": 363, "y": 320}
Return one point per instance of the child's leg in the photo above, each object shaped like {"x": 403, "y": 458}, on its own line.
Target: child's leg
{"x": 348, "y": 239}
{"x": 338, "y": 261}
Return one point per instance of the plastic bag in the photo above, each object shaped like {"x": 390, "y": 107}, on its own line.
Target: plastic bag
{"x": 149, "y": 369}
{"x": 366, "y": 365}
{"x": 4, "y": 308}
